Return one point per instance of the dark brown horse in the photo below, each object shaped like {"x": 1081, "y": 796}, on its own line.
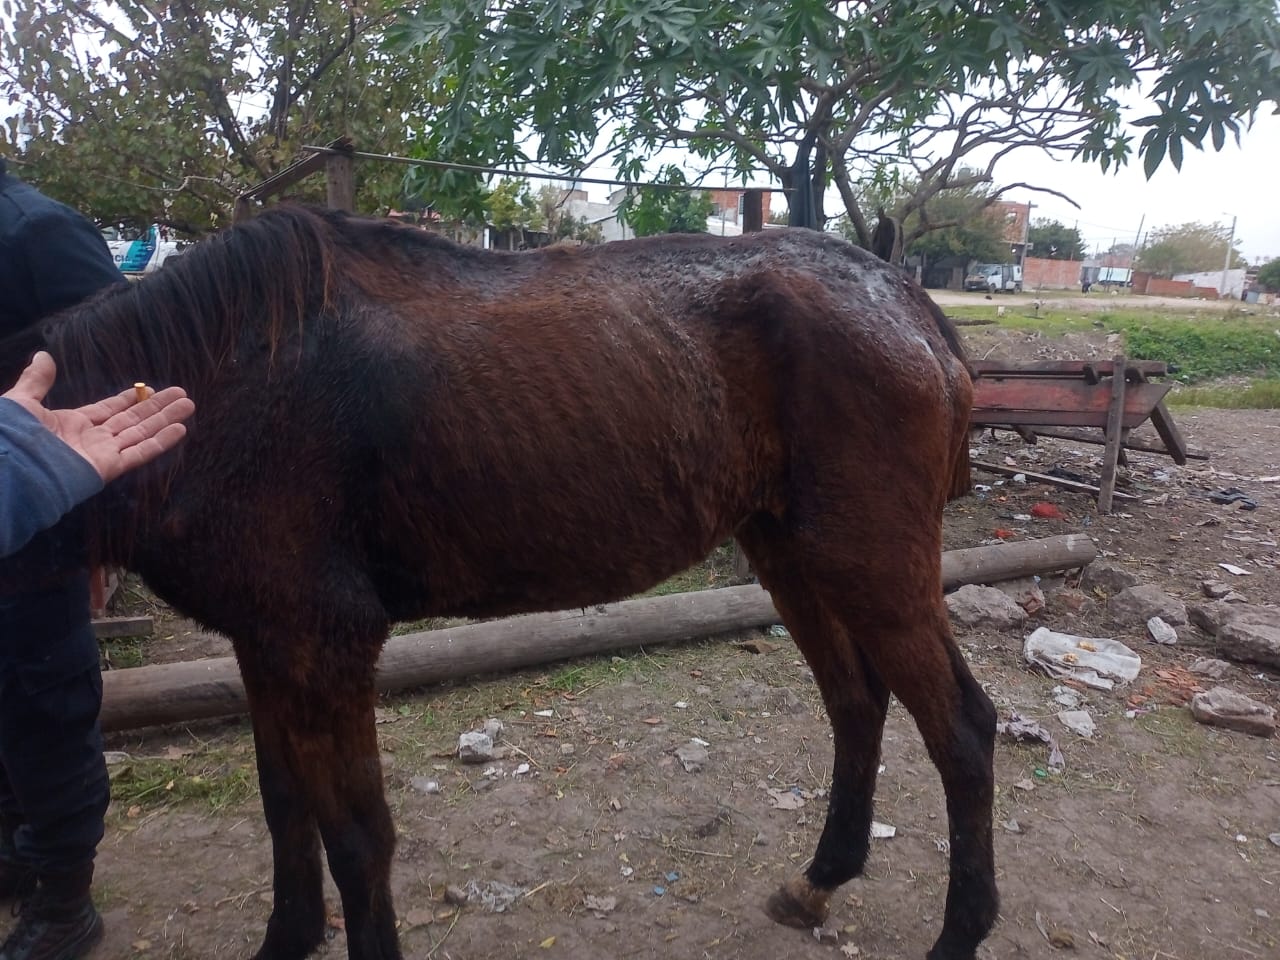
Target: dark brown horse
{"x": 389, "y": 427}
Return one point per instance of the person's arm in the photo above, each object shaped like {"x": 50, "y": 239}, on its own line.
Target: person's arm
{"x": 69, "y": 256}
{"x": 50, "y": 460}
{"x": 41, "y": 478}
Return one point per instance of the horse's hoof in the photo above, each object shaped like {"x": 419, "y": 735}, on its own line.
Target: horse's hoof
{"x": 798, "y": 903}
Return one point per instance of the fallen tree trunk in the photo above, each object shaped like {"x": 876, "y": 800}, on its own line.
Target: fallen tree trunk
{"x": 176, "y": 692}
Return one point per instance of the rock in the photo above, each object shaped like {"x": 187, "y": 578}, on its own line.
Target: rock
{"x": 692, "y": 756}
{"x": 1144, "y": 602}
{"x": 1220, "y": 707}
{"x": 1209, "y": 617}
{"x": 1078, "y": 722}
{"x": 1025, "y": 592}
{"x": 493, "y": 727}
{"x": 456, "y": 896}
{"x": 475, "y": 747}
{"x": 1109, "y": 578}
{"x": 754, "y": 695}
{"x": 1213, "y": 669}
{"x": 1251, "y": 634}
{"x": 1071, "y": 602}
{"x": 567, "y": 749}
{"x": 984, "y": 607}
{"x": 1161, "y": 632}
{"x": 1214, "y": 589}
{"x": 1066, "y": 697}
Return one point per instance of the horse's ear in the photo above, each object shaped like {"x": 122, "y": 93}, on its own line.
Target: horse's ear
{"x": 16, "y": 352}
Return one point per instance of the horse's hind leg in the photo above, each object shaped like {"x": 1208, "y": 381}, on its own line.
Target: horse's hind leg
{"x": 881, "y": 587}
{"x": 319, "y": 766}
{"x": 856, "y": 700}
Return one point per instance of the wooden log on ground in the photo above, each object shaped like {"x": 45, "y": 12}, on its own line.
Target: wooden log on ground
{"x": 111, "y": 628}
{"x": 177, "y": 692}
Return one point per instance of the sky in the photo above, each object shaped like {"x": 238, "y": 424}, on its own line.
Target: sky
{"x": 1212, "y": 187}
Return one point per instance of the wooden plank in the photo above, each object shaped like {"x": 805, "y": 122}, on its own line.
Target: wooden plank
{"x": 1062, "y": 368}
{"x": 1060, "y": 403}
{"x": 340, "y": 182}
{"x": 110, "y": 628}
{"x": 1170, "y": 435}
{"x": 1046, "y": 478}
{"x": 752, "y": 211}
{"x": 1115, "y": 437}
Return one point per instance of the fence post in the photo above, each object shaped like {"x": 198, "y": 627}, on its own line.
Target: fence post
{"x": 340, "y": 182}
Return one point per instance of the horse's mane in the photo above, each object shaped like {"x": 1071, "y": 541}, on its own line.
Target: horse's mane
{"x": 253, "y": 284}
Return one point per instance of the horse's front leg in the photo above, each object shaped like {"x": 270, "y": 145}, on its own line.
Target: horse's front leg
{"x": 297, "y": 922}
{"x": 319, "y": 768}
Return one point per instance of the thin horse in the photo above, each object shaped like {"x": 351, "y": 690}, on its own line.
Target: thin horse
{"x": 390, "y": 427}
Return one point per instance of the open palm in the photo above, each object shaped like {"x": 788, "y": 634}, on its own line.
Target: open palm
{"x": 116, "y": 434}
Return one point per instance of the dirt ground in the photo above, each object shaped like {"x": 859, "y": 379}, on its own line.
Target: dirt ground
{"x": 1152, "y": 843}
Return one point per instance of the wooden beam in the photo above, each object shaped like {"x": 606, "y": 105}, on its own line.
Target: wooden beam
{"x": 110, "y": 628}
{"x": 752, "y": 211}
{"x": 1063, "y": 368}
{"x": 1062, "y": 482}
{"x": 1115, "y": 437}
{"x": 179, "y": 692}
{"x": 340, "y": 183}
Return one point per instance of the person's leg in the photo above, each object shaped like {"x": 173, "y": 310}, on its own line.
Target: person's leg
{"x": 51, "y": 748}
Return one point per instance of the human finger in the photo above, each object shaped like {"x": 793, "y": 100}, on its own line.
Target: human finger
{"x": 36, "y": 378}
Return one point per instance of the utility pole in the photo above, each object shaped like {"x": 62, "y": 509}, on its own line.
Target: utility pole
{"x": 1137, "y": 237}
{"x": 1226, "y": 261}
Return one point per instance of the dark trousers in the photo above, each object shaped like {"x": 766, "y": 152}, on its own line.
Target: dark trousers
{"x": 53, "y": 779}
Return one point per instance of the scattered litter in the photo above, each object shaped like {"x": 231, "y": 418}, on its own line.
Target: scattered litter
{"x": 778, "y": 630}
{"x": 1078, "y": 722}
{"x": 849, "y": 950}
{"x": 830, "y": 934}
{"x": 1235, "y": 571}
{"x": 672, "y": 877}
{"x": 493, "y": 727}
{"x": 1019, "y": 727}
{"x": 423, "y": 785}
{"x": 1161, "y": 632}
{"x": 1066, "y": 697}
{"x": 544, "y": 713}
{"x": 882, "y": 831}
{"x": 1094, "y": 661}
{"x": 521, "y": 769}
{"x": 627, "y": 872}
{"x": 681, "y": 705}
{"x": 1275, "y": 839}
{"x": 785, "y": 799}
{"x": 1234, "y": 495}
{"x": 659, "y": 891}
{"x": 1012, "y": 826}
{"x": 494, "y": 895}
{"x": 1047, "y": 511}
{"x": 114, "y": 757}
{"x": 600, "y": 905}
{"x": 692, "y": 756}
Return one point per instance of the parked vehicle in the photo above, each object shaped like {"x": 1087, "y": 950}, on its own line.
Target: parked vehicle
{"x": 994, "y": 277}
{"x": 137, "y": 252}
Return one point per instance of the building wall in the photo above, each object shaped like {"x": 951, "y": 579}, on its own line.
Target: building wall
{"x": 1213, "y": 278}
{"x": 1039, "y": 272}
{"x": 1160, "y": 287}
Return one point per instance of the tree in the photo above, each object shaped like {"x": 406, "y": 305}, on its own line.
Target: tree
{"x": 817, "y": 94}
{"x": 651, "y": 210}
{"x": 133, "y": 111}
{"x": 952, "y": 223}
{"x": 1269, "y": 276}
{"x": 1055, "y": 241}
{"x": 1187, "y": 248}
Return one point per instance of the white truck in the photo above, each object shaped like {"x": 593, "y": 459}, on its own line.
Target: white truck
{"x": 139, "y": 252}
{"x": 994, "y": 277}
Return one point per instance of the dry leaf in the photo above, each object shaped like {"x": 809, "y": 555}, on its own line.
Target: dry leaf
{"x": 548, "y": 943}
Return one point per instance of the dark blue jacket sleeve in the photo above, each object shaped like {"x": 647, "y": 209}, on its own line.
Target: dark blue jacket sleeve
{"x": 41, "y": 478}
{"x": 71, "y": 256}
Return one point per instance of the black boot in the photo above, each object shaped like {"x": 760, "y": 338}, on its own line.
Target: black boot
{"x": 17, "y": 880}
{"x": 58, "y": 922}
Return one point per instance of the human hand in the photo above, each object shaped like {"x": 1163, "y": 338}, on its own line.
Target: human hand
{"x": 114, "y": 435}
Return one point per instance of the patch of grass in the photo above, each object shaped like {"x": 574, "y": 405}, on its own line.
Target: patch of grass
{"x": 1257, "y": 395}
{"x": 123, "y": 652}
{"x": 1203, "y": 347}
{"x": 215, "y": 780}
